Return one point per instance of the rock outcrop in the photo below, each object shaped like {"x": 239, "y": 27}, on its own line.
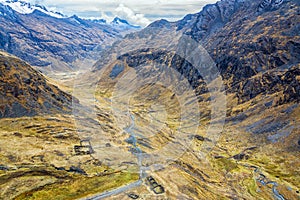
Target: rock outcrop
{"x": 212, "y": 18}
{"x": 269, "y": 5}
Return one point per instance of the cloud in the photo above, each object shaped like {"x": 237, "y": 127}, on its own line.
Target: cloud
{"x": 135, "y": 18}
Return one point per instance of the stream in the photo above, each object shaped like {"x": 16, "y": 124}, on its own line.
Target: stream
{"x": 137, "y": 151}
{"x": 263, "y": 180}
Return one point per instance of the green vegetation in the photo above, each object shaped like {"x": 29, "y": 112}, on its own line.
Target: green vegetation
{"x": 251, "y": 186}
{"x": 226, "y": 164}
{"x": 80, "y": 187}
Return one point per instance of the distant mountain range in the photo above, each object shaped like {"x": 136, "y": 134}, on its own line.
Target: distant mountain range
{"x": 23, "y": 7}
{"x": 52, "y": 41}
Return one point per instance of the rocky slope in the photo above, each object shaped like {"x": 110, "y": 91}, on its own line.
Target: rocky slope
{"x": 258, "y": 53}
{"x": 53, "y": 41}
{"x": 26, "y": 92}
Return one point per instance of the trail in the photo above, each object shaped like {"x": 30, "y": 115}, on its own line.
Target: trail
{"x": 115, "y": 191}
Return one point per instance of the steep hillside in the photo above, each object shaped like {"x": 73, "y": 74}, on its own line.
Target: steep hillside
{"x": 26, "y": 92}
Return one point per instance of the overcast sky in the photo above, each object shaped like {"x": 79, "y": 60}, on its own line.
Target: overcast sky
{"x": 138, "y": 12}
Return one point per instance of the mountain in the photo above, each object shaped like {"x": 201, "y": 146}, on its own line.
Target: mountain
{"x": 51, "y": 41}
{"x": 26, "y": 92}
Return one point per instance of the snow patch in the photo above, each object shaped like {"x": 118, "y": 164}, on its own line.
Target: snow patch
{"x": 27, "y": 8}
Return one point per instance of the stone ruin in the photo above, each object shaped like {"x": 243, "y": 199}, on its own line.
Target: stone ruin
{"x": 154, "y": 186}
{"x": 85, "y": 148}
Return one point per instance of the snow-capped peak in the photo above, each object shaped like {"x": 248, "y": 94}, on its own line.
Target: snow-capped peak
{"x": 118, "y": 21}
{"x": 122, "y": 23}
{"x": 27, "y": 8}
